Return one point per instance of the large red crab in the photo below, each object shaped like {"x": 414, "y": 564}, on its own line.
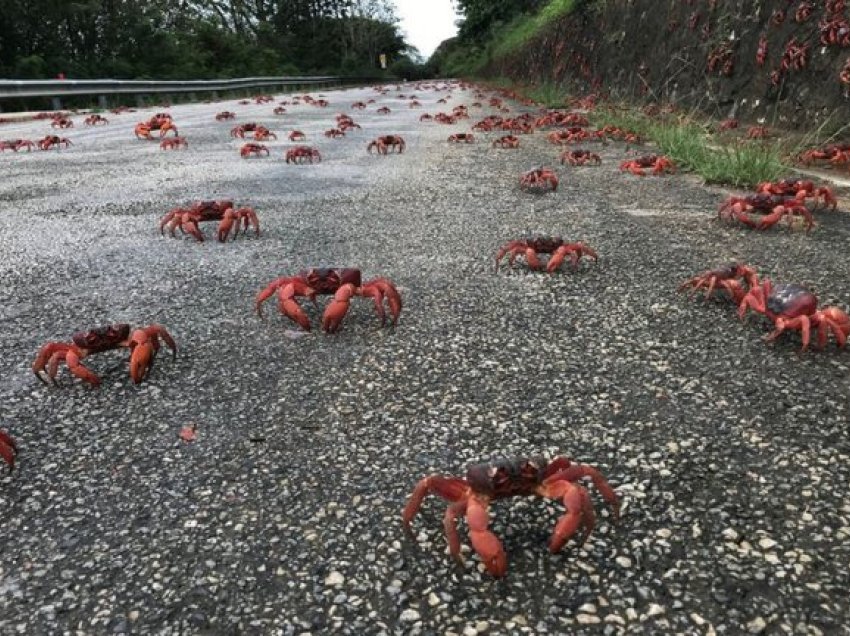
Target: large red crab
{"x": 522, "y": 476}
{"x": 793, "y": 307}
{"x": 53, "y": 141}
{"x": 773, "y": 209}
{"x": 303, "y": 154}
{"x": 255, "y": 149}
{"x": 800, "y": 189}
{"x": 387, "y": 143}
{"x": 16, "y": 144}
{"x": 539, "y": 180}
{"x": 462, "y": 138}
{"x": 8, "y": 449}
{"x": 658, "y": 164}
{"x": 580, "y": 158}
{"x": 732, "y": 277}
{"x": 142, "y": 342}
{"x": 342, "y": 283}
{"x": 230, "y": 219}
{"x": 836, "y": 154}
{"x": 531, "y": 247}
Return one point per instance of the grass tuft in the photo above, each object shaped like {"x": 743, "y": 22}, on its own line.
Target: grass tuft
{"x": 525, "y": 28}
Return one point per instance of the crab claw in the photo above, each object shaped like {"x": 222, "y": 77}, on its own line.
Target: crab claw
{"x": 290, "y": 308}
{"x": 144, "y": 345}
{"x": 8, "y": 449}
{"x": 337, "y": 308}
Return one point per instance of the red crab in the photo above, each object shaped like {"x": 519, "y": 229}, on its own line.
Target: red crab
{"x": 835, "y": 30}
{"x": 727, "y": 124}
{"x": 52, "y": 141}
{"x": 297, "y": 135}
{"x": 16, "y": 144}
{"x": 580, "y": 158}
{"x": 225, "y": 115}
{"x": 508, "y": 141}
{"x": 836, "y": 154}
{"x": 358, "y": 106}
{"x": 342, "y": 283}
{"x": 793, "y": 307}
{"x": 757, "y": 132}
{"x": 254, "y": 149}
{"x": 174, "y": 143}
{"x": 426, "y": 117}
{"x": 773, "y": 208}
{"x": 279, "y": 110}
{"x": 230, "y": 219}
{"x": 539, "y": 180}
{"x": 462, "y": 138}
{"x": 804, "y": 11}
{"x": 799, "y": 189}
{"x": 261, "y": 133}
{"x": 241, "y": 129}
{"x": 795, "y": 56}
{"x": 334, "y": 133}
{"x": 95, "y": 119}
{"x": 844, "y": 75}
{"x": 521, "y": 476}
{"x": 143, "y": 344}
{"x": 62, "y": 123}
{"x": 385, "y": 144}
{"x": 303, "y": 154}
{"x": 761, "y": 52}
{"x": 8, "y": 449}
{"x": 730, "y": 277}
{"x": 554, "y": 245}
{"x": 383, "y": 111}
{"x": 658, "y": 164}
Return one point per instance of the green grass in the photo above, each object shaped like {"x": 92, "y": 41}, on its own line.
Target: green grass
{"x": 526, "y": 27}
{"x": 686, "y": 142}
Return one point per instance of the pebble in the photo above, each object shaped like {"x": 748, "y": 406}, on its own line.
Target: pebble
{"x": 624, "y": 562}
{"x": 409, "y": 616}
{"x": 334, "y": 579}
{"x": 757, "y": 625}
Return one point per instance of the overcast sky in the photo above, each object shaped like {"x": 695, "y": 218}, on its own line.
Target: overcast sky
{"x": 427, "y": 22}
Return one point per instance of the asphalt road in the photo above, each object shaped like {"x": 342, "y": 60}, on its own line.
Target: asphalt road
{"x": 283, "y": 517}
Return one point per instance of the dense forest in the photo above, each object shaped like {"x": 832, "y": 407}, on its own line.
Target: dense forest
{"x": 180, "y": 39}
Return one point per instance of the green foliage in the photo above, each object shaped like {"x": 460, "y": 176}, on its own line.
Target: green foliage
{"x": 686, "y": 142}
{"x": 194, "y": 39}
{"x": 525, "y": 28}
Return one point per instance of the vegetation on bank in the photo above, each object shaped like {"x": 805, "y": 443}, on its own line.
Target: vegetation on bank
{"x": 199, "y": 39}
{"x": 492, "y": 30}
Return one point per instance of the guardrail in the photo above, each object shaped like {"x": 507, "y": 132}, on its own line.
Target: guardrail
{"x": 56, "y": 89}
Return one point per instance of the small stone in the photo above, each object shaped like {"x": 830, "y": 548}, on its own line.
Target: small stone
{"x": 729, "y": 534}
{"x": 433, "y": 600}
{"x": 588, "y": 608}
{"x": 757, "y": 625}
{"x": 409, "y": 616}
{"x": 663, "y": 533}
{"x": 654, "y": 610}
{"x": 469, "y": 630}
{"x": 334, "y": 579}
{"x": 697, "y": 619}
{"x": 624, "y": 561}
{"x": 588, "y": 619}
{"x": 482, "y": 626}
{"x": 766, "y": 543}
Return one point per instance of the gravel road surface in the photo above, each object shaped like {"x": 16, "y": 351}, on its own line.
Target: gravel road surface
{"x": 731, "y": 455}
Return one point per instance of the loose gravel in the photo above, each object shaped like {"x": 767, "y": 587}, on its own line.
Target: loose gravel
{"x": 283, "y": 517}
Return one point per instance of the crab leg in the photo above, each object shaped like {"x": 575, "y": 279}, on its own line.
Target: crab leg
{"x": 451, "y": 489}
{"x": 290, "y": 308}
{"x": 454, "y": 511}
{"x": 226, "y": 225}
{"x": 800, "y": 322}
{"x": 386, "y": 290}
{"x": 574, "y": 472}
{"x": 338, "y": 307}
{"x": 484, "y": 542}
{"x": 72, "y": 359}
{"x": 577, "y": 503}
{"x": 8, "y": 449}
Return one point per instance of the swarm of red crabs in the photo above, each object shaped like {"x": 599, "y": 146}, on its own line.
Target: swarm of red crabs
{"x": 230, "y": 219}
{"x": 531, "y": 247}
{"x": 776, "y": 200}
{"x": 539, "y": 180}
{"x": 470, "y": 498}
{"x": 343, "y": 284}
{"x": 143, "y": 343}
{"x": 790, "y": 307}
